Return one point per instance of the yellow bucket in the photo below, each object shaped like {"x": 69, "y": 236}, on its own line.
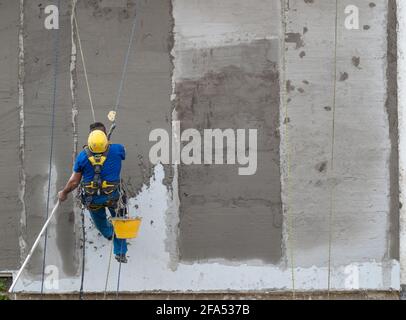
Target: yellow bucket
{"x": 126, "y": 228}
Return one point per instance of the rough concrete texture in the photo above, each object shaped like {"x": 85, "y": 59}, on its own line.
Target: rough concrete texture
{"x": 401, "y": 35}
{"x": 392, "y": 109}
{"x": 40, "y": 45}
{"x": 9, "y": 133}
{"x": 222, "y": 214}
{"x": 353, "y": 183}
{"x": 206, "y": 228}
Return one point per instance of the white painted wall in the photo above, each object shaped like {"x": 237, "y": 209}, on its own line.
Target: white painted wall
{"x": 149, "y": 267}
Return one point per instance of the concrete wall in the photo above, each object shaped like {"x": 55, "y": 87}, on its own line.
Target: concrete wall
{"x": 402, "y": 122}
{"x": 229, "y": 84}
{"x": 9, "y": 133}
{"x": 40, "y": 67}
{"x": 341, "y": 147}
{"x": 325, "y": 192}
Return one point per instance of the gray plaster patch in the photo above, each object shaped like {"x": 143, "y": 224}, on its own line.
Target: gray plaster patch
{"x": 295, "y": 38}
{"x": 223, "y": 215}
{"x": 9, "y": 133}
{"x": 356, "y": 61}
{"x": 344, "y": 76}
{"x": 392, "y": 110}
{"x": 360, "y": 204}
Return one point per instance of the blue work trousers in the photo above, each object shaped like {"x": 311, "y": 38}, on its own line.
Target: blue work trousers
{"x": 105, "y": 227}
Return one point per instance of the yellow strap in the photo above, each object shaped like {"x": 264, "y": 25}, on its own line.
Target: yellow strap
{"x": 97, "y": 161}
{"x": 95, "y": 207}
{"x": 105, "y": 184}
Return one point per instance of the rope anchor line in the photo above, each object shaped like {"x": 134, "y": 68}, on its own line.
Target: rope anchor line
{"x": 333, "y": 134}
{"x": 112, "y": 114}
{"x": 51, "y": 150}
{"x": 290, "y": 224}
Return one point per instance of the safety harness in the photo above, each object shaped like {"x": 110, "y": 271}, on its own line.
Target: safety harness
{"x": 97, "y": 186}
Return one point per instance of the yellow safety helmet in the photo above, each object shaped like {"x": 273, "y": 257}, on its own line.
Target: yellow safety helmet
{"x": 97, "y": 141}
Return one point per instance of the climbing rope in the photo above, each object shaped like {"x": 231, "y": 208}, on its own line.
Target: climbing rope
{"x": 83, "y": 59}
{"x": 333, "y": 133}
{"x": 289, "y": 227}
{"x": 108, "y": 268}
{"x": 51, "y": 143}
{"x": 123, "y": 205}
{"x": 83, "y": 253}
{"x": 120, "y": 205}
{"x": 124, "y": 72}
{"x": 112, "y": 114}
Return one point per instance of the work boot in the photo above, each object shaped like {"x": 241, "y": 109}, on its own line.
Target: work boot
{"x": 121, "y": 258}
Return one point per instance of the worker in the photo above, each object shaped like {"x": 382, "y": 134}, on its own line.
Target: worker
{"x": 97, "y": 171}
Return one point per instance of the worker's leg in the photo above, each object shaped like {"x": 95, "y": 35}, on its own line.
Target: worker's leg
{"x": 102, "y": 224}
{"x": 120, "y": 245}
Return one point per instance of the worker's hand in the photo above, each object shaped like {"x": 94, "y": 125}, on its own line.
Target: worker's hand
{"x": 62, "y": 196}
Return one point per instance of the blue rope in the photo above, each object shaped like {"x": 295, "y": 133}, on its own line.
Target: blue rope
{"x": 51, "y": 151}
{"x": 83, "y": 254}
{"x": 120, "y": 90}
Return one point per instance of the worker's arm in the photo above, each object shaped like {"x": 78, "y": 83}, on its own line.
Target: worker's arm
{"x": 72, "y": 184}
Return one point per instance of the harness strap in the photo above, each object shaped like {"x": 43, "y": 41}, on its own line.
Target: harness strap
{"x": 97, "y": 161}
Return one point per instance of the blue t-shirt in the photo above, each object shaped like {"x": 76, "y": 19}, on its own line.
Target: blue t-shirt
{"x": 111, "y": 168}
